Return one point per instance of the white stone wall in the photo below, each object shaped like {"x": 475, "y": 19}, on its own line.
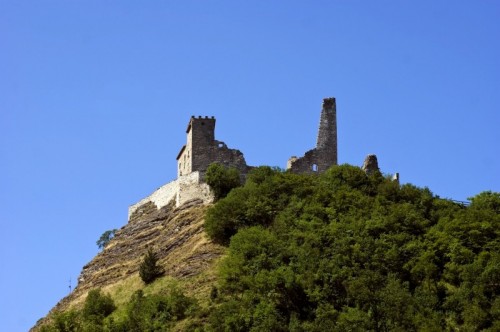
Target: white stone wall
{"x": 191, "y": 187}
{"x": 184, "y": 189}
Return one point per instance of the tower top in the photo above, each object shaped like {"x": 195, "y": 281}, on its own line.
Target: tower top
{"x": 327, "y": 133}
{"x": 200, "y": 119}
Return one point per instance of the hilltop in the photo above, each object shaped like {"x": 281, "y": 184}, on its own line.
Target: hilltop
{"x": 303, "y": 252}
{"x": 318, "y": 247}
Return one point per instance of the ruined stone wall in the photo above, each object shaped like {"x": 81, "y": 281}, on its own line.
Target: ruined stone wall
{"x": 370, "y": 165}
{"x": 306, "y": 164}
{"x": 180, "y": 191}
{"x": 324, "y": 155}
{"x": 220, "y": 153}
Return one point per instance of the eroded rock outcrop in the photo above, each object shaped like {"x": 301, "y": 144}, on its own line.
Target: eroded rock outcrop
{"x": 175, "y": 234}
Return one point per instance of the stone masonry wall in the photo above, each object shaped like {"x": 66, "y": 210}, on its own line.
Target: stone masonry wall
{"x": 324, "y": 155}
{"x": 202, "y": 149}
{"x": 192, "y": 187}
{"x": 220, "y": 153}
{"x": 180, "y": 191}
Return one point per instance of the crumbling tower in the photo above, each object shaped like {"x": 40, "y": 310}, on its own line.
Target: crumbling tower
{"x": 324, "y": 155}
{"x": 326, "y": 146}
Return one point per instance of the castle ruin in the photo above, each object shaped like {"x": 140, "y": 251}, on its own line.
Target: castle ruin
{"x": 202, "y": 149}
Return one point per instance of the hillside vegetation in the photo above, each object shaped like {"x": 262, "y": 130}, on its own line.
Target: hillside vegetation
{"x": 339, "y": 251}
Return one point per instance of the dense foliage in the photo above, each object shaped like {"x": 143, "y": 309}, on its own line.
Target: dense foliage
{"x": 149, "y": 270}
{"x": 222, "y": 179}
{"x": 92, "y": 317}
{"x": 345, "y": 251}
{"x": 155, "y": 312}
{"x": 339, "y": 251}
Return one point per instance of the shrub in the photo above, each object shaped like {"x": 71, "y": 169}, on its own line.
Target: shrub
{"x": 149, "y": 270}
{"x": 156, "y": 312}
{"x": 97, "y": 306}
{"x": 69, "y": 321}
{"x": 222, "y": 179}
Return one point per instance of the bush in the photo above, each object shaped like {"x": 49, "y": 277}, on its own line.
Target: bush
{"x": 69, "y": 321}
{"x": 156, "y": 312}
{"x": 149, "y": 270}
{"x": 222, "y": 179}
{"x": 97, "y": 306}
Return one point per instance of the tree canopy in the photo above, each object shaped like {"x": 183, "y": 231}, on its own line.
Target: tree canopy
{"x": 222, "y": 179}
{"x": 338, "y": 251}
{"x": 346, "y": 251}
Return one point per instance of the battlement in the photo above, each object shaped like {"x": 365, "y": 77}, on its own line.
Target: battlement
{"x": 201, "y": 121}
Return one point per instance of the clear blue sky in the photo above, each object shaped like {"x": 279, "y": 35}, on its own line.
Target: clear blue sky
{"x": 95, "y": 97}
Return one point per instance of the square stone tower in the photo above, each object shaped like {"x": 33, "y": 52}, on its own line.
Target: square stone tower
{"x": 202, "y": 149}
{"x": 200, "y": 137}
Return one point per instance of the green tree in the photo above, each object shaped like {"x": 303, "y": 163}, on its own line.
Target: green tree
{"x": 149, "y": 269}
{"x": 344, "y": 251}
{"x": 97, "y": 307}
{"x": 68, "y": 321}
{"x": 105, "y": 238}
{"x": 156, "y": 312}
{"x": 222, "y": 179}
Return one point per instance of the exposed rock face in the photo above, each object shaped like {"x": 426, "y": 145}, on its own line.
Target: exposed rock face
{"x": 371, "y": 164}
{"x": 175, "y": 234}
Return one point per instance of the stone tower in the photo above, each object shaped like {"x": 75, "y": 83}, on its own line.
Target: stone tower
{"x": 202, "y": 149}
{"x": 324, "y": 155}
{"x": 326, "y": 146}
{"x": 200, "y": 134}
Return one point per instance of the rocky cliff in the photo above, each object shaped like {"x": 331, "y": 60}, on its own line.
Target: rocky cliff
{"x": 175, "y": 234}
